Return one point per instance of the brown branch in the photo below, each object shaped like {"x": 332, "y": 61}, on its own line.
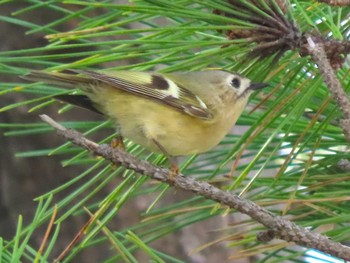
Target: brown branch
{"x": 336, "y": 2}
{"x": 278, "y": 227}
{"x": 318, "y": 54}
{"x": 344, "y": 165}
{"x": 47, "y": 234}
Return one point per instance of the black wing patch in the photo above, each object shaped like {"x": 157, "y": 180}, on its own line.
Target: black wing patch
{"x": 81, "y": 101}
{"x": 158, "y": 82}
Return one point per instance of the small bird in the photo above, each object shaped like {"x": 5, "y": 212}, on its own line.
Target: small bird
{"x": 172, "y": 113}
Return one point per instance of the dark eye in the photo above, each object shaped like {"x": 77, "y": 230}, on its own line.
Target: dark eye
{"x": 236, "y": 83}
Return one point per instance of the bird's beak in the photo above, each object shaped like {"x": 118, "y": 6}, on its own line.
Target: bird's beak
{"x": 256, "y": 86}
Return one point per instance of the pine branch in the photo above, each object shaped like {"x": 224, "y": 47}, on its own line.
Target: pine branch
{"x": 336, "y": 2}
{"x": 318, "y": 54}
{"x": 278, "y": 227}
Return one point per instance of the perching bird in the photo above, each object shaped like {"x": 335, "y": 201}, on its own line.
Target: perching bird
{"x": 173, "y": 113}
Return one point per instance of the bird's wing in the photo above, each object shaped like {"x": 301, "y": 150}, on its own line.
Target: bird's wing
{"x": 81, "y": 101}
{"x": 155, "y": 87}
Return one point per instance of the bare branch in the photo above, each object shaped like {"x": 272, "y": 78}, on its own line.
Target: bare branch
{"x": 336, "y": 2}
{"x": 278, "y": 227}
{"x": 318, "y": 54}
{"x": 344, "y": 165}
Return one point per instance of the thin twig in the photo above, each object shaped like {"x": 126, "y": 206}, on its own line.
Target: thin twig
{"x": 318, "y": 54}
{"x": 278, "y": 227}
{"x": 344, "y": 165}
{"x": 75, "y": 240}
{"x": 336, "y": 2}
{"x": 47, "y": 234}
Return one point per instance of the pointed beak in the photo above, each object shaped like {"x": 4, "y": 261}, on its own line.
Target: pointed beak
{"x": 256, "y": 86}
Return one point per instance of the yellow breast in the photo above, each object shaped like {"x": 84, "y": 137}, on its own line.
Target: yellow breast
{"x": 143, "y": 121}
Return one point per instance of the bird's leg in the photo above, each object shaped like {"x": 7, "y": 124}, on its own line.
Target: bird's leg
{"x": 174, "y": 167}
{"x": 118, "y": 142}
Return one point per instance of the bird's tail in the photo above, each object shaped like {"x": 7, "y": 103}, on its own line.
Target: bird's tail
{"x": 71, "y": 79}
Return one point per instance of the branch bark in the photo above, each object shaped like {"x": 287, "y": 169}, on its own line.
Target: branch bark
{"x": 318, "y": 54}
{"x": 336, "y": 2}
{"x": 277, "y": 226}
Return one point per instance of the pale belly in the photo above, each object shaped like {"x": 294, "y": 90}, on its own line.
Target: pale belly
{"x": 177, "y": 138}
{"x": 144, "y": 121}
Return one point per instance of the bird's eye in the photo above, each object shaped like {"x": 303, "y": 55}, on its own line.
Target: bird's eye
{"x": 236, "y": 83}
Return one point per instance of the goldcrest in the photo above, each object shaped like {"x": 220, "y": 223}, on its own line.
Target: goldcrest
{"x": 173, "y": 113}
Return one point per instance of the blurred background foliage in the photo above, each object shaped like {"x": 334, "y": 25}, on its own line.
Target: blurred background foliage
{"x": 287, "y": 152}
